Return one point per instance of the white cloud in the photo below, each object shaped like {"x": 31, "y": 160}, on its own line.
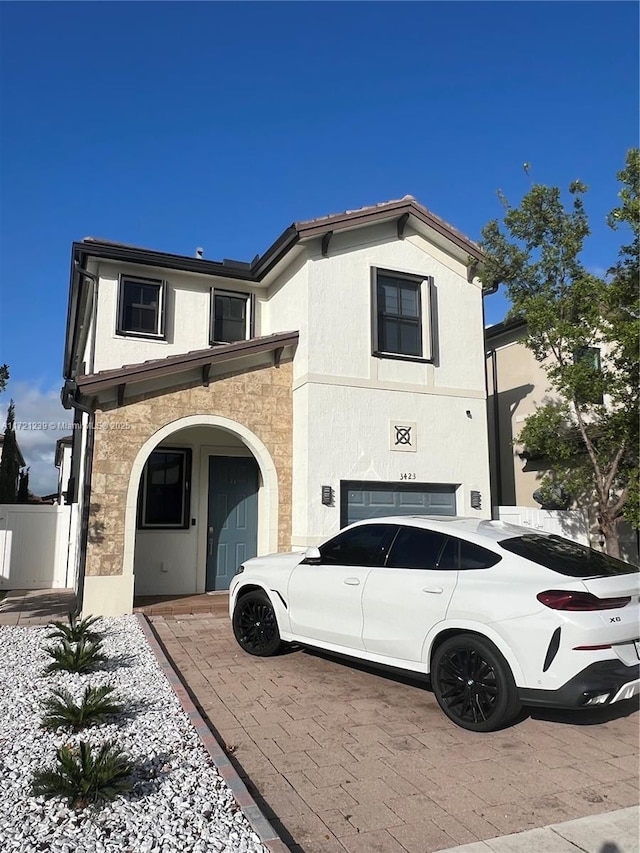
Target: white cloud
{"x": 40, "y": 422}
{"x": 599, "y": 272}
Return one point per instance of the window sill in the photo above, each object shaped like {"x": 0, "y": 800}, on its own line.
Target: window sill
{"x": 140, "y": 335}
{"x": 399, "y": 357}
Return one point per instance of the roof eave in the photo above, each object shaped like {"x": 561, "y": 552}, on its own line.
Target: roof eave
{"x": 96, "y": 383}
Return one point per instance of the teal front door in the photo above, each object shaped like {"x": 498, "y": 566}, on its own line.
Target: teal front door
{"x": 232, "y": 526}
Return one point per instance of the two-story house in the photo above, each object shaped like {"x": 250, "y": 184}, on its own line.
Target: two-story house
{"x": 224, "y": 409}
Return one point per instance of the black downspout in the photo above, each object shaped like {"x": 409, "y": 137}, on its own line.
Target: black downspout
{"x": 489, "y": 291}
{"x": 496, "y": 426}
{"x": 82, "y": 272}
{"x": 69, "y": 402}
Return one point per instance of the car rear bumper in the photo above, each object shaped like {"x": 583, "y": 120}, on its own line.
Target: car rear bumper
{"x": 601, "y": 683}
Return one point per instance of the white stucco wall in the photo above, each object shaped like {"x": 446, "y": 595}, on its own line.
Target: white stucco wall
{"x": 342, "y": 432}
{"x": 340, "y": 310}
{"x": 344, "y": 404}
{"x": 187, "y": 315}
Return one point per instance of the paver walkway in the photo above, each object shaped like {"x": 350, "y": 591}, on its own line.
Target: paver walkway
{"x": 343, "y": 758}
{"x": 26, "y": 607}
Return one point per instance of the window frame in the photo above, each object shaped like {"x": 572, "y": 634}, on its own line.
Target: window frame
{"x": 389, "y": 534}
{"x": 420, "y": 532}
{"x": 591, "y": 356}
{"x": 185, "y": 522}
{"x": 161, "y": 285}
{"x": 249, "y": 299}
{"x": 426, "y": 315}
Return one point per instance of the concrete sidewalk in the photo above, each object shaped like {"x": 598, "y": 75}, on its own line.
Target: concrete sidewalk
{"x": 612, "y": 832}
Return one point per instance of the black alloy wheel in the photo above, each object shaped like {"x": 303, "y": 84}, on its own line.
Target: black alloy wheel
{"x": 255, "y": 626}
{"x": 473, "y": 683}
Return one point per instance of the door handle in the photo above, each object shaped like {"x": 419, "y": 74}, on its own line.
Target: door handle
{"x": 352, "y": 581}
{"x": 434, "y": 590}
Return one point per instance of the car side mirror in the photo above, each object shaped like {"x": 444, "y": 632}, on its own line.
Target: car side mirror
{"x": 312, "y": 555}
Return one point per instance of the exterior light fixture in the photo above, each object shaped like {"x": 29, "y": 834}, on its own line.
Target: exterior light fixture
{"x": 327, "y": 496}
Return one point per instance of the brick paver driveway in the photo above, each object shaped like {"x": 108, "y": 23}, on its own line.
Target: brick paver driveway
{"x": 343, "y": 758}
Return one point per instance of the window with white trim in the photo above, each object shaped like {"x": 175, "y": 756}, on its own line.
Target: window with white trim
{"x": 164, "y": 490}
{"x": 141, "y": 307}
{"x": 231, "y": 317}
{"x": 401, "y": 315}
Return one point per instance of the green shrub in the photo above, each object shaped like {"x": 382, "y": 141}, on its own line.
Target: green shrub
{"x": 75, "y": 630}
{"x": 83, "y": 778}
{"x": 96, "y": 704}
{"x": 83, "y": 656}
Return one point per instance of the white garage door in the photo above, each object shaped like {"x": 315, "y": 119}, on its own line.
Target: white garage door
{"x": 360, "y": 500}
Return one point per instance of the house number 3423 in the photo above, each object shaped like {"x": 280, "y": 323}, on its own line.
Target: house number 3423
{"x": 407, "y": 476}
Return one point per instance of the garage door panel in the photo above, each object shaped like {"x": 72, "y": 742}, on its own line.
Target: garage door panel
{"x": 366, "y": 499}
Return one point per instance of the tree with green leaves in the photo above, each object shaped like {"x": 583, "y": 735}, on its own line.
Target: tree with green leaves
{"x": 9, "y": 461}
{"x": 4, "y": 377}
{"x": 584, "y": 330}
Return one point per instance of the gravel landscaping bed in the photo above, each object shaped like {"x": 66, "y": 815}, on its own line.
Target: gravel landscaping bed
{"x": 178, "y": 803}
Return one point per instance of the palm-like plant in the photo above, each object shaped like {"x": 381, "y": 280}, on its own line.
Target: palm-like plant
{"x": 96, "y": 704}
{"x": 83, "y": 778}
{"x": 82, "y": 656}
{"x": 75, "y": 630}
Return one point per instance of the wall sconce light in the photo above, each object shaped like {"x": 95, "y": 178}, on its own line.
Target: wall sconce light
{"x": 476, "y": 500}
{"x": 327, "y": 496}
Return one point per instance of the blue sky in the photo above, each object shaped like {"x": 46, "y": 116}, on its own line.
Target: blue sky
{"x": 177, "y": 125}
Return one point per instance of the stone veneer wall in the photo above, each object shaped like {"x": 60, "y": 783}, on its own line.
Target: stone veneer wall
{"x": 260, "y": 399}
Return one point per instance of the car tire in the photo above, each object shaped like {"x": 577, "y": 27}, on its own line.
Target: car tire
{"x": 473, "y": 683}
{"x": 255, "y": 626}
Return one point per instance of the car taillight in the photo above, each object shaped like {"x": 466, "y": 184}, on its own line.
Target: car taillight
{"x": 561, "y": 599}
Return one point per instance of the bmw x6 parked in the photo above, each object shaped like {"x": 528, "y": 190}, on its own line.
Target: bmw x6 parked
{"x": 497, "y": 616}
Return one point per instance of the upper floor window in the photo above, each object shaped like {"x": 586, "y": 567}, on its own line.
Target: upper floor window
{"x": 401, "y": 316}
{"x": 140, "y": 307}
{"x": 231, "y": 317}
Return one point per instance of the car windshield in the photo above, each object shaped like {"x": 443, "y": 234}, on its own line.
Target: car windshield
{"x": 566, "y": 557}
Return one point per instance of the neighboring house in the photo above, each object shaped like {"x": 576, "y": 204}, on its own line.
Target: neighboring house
{"x": 224, "y": 409}
{"x": 62, "y": 461}
{"x": 517, "y": 384}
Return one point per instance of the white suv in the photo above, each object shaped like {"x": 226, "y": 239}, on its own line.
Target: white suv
{"x": 497, "y": 615}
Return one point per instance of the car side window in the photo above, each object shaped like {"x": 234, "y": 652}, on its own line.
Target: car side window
{"x": 361, "y": 546}
{"x": 474, "y": 557}
{"x": 450, "y": 556}
{"x": 415, "y": 548}
{"x": 459, "y": 554}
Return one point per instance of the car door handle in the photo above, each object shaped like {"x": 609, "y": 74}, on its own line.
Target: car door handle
{"x": 435, "y": 590}
{"x": 352, "y": 581}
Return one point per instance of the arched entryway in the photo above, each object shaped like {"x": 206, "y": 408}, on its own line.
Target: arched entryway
{"x": 202, "y": 497}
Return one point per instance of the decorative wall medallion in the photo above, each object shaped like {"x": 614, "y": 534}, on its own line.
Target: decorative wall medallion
{"x": 403, "y": 436}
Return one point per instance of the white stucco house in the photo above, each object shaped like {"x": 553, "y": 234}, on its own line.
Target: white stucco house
{"x": 224, "y": 409}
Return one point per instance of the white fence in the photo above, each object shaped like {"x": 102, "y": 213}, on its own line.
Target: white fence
{"x": 36, "y": 544}
{"x": 572, "y": 524}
